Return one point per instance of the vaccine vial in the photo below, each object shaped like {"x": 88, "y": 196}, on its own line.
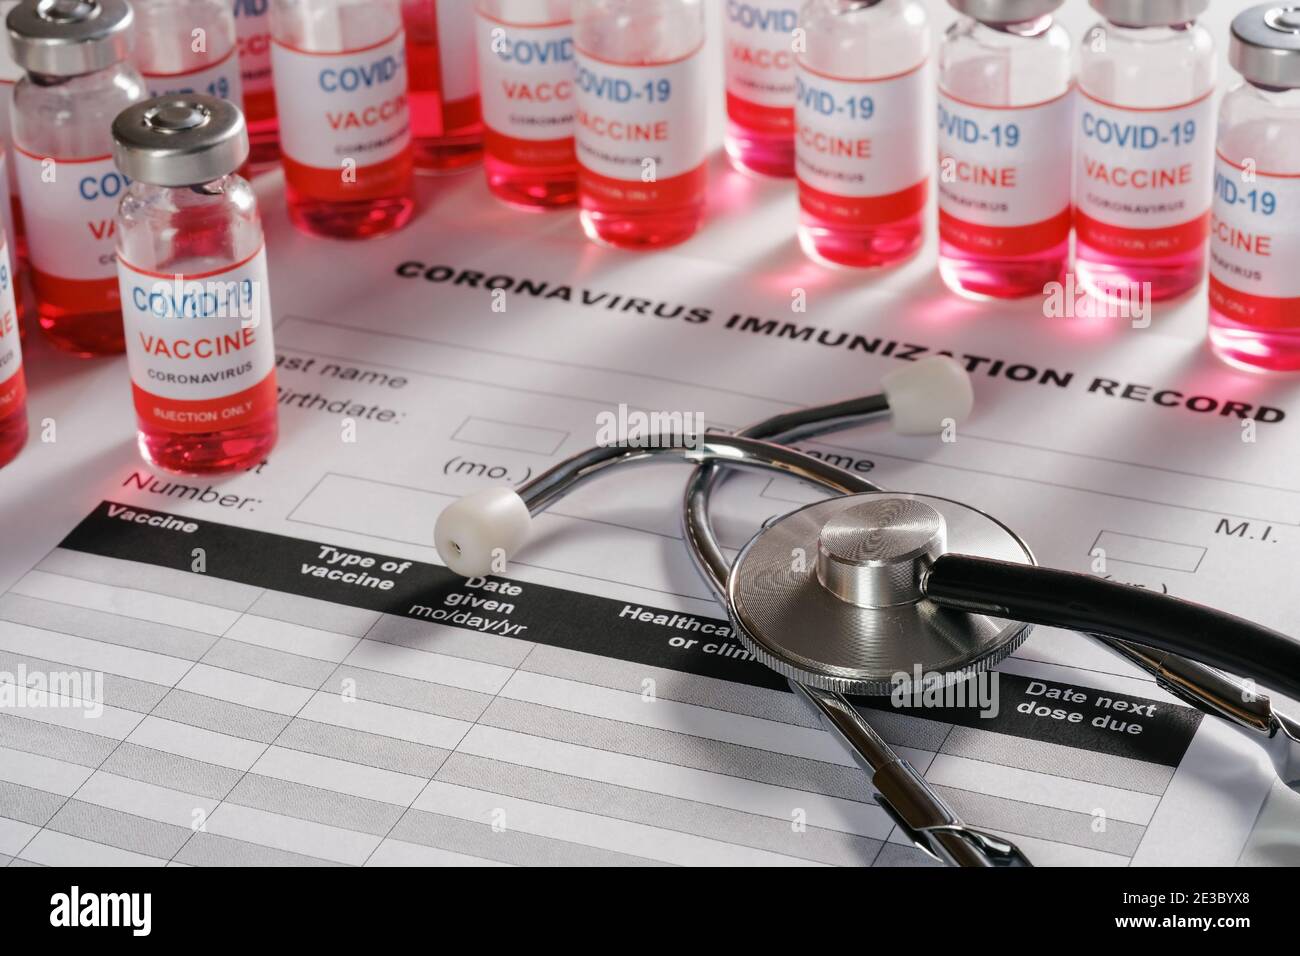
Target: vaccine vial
{"x": 525, "y": 58}
{"x": 253, "y": 29}
{"x": 758, "y": 51}
{"x": 445, "y": 116}
{"x": 11, "y": 210}
{"x": 641, "y": 132}
{"x": 1145, "y": 149}
{"x": 187, "y": 46}
{"x": 1255, "y": 230}
{"x": 345, "y": 122}
{"x": 13, "y": 386}
{"x": 195, "y": 298}
{"x": 862, "y": 146}
{"x": 78, "y": 77}
{"x": 1006, "y": 118}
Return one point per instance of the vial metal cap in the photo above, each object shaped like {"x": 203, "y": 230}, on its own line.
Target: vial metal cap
{"x": 1150, "y": 13}
{"x": 180, "y": 140}
{"x": 69, "y": 37}
{"x": 1005, "y": 11}
{"x": 1265, "y": 46}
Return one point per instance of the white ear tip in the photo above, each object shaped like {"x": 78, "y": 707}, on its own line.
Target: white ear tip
{"x": 926, "y": 395}
{"x": 479, "y": 533}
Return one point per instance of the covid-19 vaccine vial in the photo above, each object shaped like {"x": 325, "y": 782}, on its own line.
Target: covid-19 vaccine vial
{"x": 1145, "y": 149}
{"x": 76, "y": 55}
{"x": 1005, "y": 126}
{"x": 253, "y": 27}
{"x": 1255, "y": 231}
{"x": 525, "y": 58}
{"x": 187, "y": 46}
{"x": 445, "y": 113}
{"x": 758, "y": 51}
{"x": 12, "y": 214}
{"x": 195, "y": 299}
{"x": 863, "y": 115}
{"x": 641, "y": 138}
{"x": 345, "y": 122}
{"x": 13, "y": 386}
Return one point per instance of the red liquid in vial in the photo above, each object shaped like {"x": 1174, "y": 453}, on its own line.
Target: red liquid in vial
{"x": 446, "y": 125}
{"x": 13, "y": 388}
{"x": 321, "y": 203}
{"x": 81, "y": 316}
{"x": 632, "y": 215}
{"x": 263, "y": 128}
{"x": 547, "y": 176}
{"x": 13, "y": 426}
{"x": 1110, "y": 274}
{"x": 870, "y": 233}
{"x": 760, "y": 138}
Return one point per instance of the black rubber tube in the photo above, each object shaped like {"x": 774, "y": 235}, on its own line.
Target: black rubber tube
{"x": 1093, "y": 605}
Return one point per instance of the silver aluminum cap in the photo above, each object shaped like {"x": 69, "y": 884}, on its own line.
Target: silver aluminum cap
{"x": 180, "y": 140}
{"x": 1150, "y": 13}
{"x": 1005, "y": 11}
{"x": 1265, "y": 46}
{"x": 69, "y": 37}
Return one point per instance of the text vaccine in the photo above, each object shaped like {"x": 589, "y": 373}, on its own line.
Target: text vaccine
{"x": 863, "y": 114}
{"x": 525, "y": 59}
{"x": 758, "y": 51}
{"x": 1145, "y": 149}
{"x": 641, "y": 127}
{"x": 445, "y": 116}
{"x": 187, "y": 46}
{"x": 1005, "y": 122}
{"x": 195, "y": 298}
{"x": 253, "y": 28}
{"x": 78, "y": 77}
{"x": 13, "y": 386}
{"x": 1255, "y": 230}
{"x": 345, "y": 122}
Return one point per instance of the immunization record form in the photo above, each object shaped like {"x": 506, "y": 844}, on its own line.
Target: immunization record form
{"x": 275, "y": 668}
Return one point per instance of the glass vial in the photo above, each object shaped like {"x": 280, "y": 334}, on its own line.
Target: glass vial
{"x": 13, "y": 386}
{"x": 1005, "y": 126}
{"x": 195, "y": 298}
{"x": 78, "y": 78}
{"x": 444, "y": 84}
{"x": 253, "y": 28}
{"x": 641, "y": 129}
{"x": 525, "y": 59}
{"x": 1144, "y": 145}
{"x": 1255, "y": 231}
{"x": 187, "y": 46}
{"x": 345, "y": 131}
{"x": 758, "y": 50}
{"x": 10, "y": 74}
{"x": 862, "y": 147}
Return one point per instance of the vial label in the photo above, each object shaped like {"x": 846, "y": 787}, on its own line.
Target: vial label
{"x": 349, "y": 108}
{"x": 1255, "y": 247}
{"x": 860, "y": 146}
{"x": 253, "y": 27}
{"x": 760, "y": 63}
{"x": 220, "y": 79}
{"x": 13, "y": 388}
{"x": 1004, "y": 175}
{"x": 642, "y": 125}
{"x": 69, "y": 207}
{"x": 458, "y": 67}
{"x": 1144, "y": 178}
{"x": 527, "y": 92}
{"x": 199, "y": 347}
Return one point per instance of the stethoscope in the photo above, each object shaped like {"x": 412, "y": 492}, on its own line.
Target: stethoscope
{"x": 851, "y": 594}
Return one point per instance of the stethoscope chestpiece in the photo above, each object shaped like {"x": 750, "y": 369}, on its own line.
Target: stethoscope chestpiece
{"x": 832, "y": 595}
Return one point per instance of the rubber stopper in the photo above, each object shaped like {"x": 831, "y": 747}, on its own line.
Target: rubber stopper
{"x": 926, "y": 396}
{"x": 481, "y": 532}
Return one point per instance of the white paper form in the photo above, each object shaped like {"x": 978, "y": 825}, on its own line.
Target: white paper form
{"x": 255, "y": 712}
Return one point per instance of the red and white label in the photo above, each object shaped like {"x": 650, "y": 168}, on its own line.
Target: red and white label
{"x": 456, "y": 55}
{"x": 1255, "y": 246}
{"x": 860, "y": 146}
{"x": 199, "y": 347}
{"x": 527, "y": 90}
{"x": 759, "y": 53}
{"x": 220, "y": 78}
{"x": 641, "y": 124}
{"x": 69, "y": 213}
{"x": 1004, "y": 175}
{"x": 13, "y": 388}
{"x": 345, "y": 106}
{"x": 253, "y": 27}
{"x": 1144, "y": 177}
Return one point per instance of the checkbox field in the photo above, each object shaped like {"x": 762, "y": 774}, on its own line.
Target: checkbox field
{"x": 510, "y": 436}
{"x": 1149, "y": 552}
